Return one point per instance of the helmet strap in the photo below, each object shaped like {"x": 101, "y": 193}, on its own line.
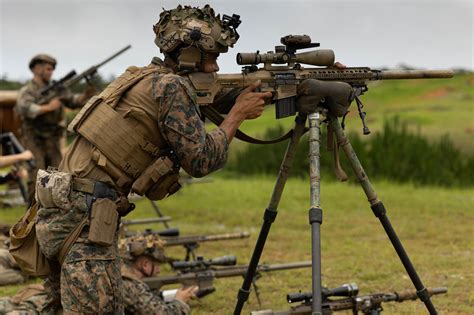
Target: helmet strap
{"x": 188, "y": 59}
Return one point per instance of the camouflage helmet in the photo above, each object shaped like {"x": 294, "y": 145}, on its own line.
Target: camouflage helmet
{"x": 42, "y": 58}
{"x": 195, "y": 31}
{"x": 150, "y": 245}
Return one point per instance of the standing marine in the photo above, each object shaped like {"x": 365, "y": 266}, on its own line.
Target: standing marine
{"x": 43, "y": 124}
{"x": 134, "y": 136}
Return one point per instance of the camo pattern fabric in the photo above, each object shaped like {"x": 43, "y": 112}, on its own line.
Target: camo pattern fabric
{"x": 139, "y": 299}
{"x": 89, "y": 280}
{"x": 29, "y": 305}
{"x": 199, "y": 153}
{"x": 91, "y": 287}
{"x": 10, "y": 273}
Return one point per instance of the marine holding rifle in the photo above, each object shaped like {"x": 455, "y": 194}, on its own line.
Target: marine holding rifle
{"x": 43, "y": 123}
{"x": 134, "y": 136}
{"x": 142, "y": 256}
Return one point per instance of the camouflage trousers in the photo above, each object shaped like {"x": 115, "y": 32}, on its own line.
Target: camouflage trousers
{"x": 47, "y": 152}
{"x": 89, "y": 280}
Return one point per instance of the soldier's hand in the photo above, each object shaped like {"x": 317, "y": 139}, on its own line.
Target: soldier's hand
{"x": 54, "y": 104}
{"x": 186, "y": 293}
{"x": 339, "y": 65}
{"x": 249, "y": 104}
{"x": 26, "y": 155}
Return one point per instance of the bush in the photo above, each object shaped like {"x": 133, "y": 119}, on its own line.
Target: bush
{"x": 394, "y": 153}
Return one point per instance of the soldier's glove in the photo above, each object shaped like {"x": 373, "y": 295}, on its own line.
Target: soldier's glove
{"x": 335, "y": 96}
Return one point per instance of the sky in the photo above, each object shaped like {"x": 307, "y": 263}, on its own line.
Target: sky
{"x": 427, "y": 34}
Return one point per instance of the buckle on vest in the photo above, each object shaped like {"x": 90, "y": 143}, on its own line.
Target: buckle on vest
{"x": 131, "y": 170}
{"x": 151, "y": 148}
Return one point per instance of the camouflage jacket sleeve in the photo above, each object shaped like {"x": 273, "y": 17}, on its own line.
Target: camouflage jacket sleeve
{"x": 26, "y": 103}
{"x": 199, "y": 152}
{"x": 138, "y": 299}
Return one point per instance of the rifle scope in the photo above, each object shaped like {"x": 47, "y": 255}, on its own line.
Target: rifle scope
{"x": 346, "y": 290}
{"x": 229, "y": 260}
{"x": 170, "y": 232}
{"x": 318, "y": 57}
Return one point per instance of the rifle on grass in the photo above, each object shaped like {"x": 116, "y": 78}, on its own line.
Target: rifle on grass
{"x": 370, "y": 304}
{"x": 170, "y": 237}
{"x": 203, "y": 274}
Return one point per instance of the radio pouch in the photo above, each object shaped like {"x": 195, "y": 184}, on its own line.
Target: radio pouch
{"x": 103, "y": 222}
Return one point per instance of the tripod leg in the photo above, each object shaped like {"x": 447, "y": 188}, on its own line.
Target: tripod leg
{"x": 158, "y": 212}
{"x": 380, "y": 212}
{"x": 315, "y": 212}
{"x": 270, "y": 212}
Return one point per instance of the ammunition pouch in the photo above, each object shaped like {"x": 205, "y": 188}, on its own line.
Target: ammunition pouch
{"x": 53, "y": 189}
{"x": 159, "y": 180}
{"x": 24, "y": 246}
{"x": 103, "y": 222}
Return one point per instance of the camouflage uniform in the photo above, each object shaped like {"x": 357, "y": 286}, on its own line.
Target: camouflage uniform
{"x": 9, "y": 270}
{"x": 41, "y": 134}
{"x": 139, "y": 299}
{"x": 28, "y": 301}
{"x": 160, "y": 104}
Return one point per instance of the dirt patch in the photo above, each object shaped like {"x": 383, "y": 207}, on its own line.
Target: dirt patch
{"x": 438, "y": 93}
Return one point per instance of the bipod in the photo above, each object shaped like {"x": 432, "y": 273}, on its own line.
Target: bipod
{"x": 271, "y": 211}
{"x": 315, "y": 212}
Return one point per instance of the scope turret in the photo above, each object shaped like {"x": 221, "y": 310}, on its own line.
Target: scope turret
{"x": 346, "y": 290}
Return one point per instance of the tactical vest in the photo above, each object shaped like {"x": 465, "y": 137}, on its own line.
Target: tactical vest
{"x": 126, "y": 154}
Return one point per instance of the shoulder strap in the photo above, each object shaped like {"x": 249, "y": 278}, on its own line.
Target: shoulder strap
{"x": 70, "y": 240}
{"x": 217, "y": 119}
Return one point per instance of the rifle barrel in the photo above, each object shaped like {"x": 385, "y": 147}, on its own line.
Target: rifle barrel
{"x": 412, "y": 74}
{"x": 204, "y": 238}
{"x": 121, "y": 51}
{"x": 146, "y": 220}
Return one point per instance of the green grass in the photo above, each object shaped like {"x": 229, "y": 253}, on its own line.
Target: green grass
{"x": 434, "y": 224}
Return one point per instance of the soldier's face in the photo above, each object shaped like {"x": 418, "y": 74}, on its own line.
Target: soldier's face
{"x": 209, "y": 63}
{"x": 44, "y": 71}
{"x": 149, "y": 267}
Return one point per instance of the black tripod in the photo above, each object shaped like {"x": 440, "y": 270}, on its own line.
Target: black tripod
{"x": 316, "y": 213}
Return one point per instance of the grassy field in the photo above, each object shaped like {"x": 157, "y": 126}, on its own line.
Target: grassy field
{"x": 435, "y": 225}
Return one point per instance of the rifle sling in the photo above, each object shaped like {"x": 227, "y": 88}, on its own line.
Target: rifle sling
{"x": 217, "y": 119}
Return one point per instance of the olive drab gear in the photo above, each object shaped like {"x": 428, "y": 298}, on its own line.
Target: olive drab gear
{"x": 142, "y": 245}
{"x": 125, "y": 153}
{"x": 42, "y": 58}
{"x": 194, "y": 31}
